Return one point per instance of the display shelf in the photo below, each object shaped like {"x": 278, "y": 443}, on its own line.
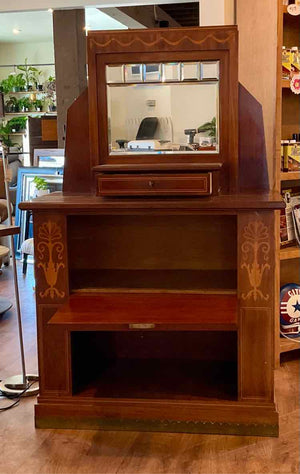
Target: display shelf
{"x": 285, "y": 83}
{"x": 31, "y": 113}
{"x": 35, "y": 92}
{"x": 287, "y": 345}
{"x": 18, "y": 134}
{"x": 289, "y": 253}
{"x": 121, "y": 311}
{"x": 289, "y": 175}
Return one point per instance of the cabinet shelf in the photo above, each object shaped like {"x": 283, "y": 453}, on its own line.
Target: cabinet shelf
{"x": 290, "y": 252}
{"x": 287, "y": 345}
{"x": 289, "y": 176}
{"x": 162, "y": 379}
{"x": 121, "y": 312}
{"x": 285, "y": 84}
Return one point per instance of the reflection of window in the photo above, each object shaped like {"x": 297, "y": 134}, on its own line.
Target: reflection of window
{"x": 149, "y": 68}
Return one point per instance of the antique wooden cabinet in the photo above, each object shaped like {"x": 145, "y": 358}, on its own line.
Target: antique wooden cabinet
{"x": 154, "y": 270}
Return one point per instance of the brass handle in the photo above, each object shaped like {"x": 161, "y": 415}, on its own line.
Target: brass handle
{"x": 141, "y": 326}
{"x": 151, "y": 183}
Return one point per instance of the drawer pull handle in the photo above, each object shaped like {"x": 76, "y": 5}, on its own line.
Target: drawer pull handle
{"x": 151, "y": 184}
{"x": 141, "y": 326}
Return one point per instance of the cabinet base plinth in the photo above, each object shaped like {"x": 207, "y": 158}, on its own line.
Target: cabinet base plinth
{"x": 68, "y": 417}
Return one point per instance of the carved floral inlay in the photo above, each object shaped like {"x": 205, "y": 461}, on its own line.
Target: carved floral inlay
{"x": 255, "y": 255}
{"x": 50, "y": 251}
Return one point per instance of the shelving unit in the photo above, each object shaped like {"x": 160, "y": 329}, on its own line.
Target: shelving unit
{"x": 290, "y": 252}
{"x": 288, "y": 113}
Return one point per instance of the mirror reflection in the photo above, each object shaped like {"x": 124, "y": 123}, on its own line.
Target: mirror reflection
{"x": 154, "y": 111}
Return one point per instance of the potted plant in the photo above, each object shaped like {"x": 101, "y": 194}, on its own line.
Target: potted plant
{"x": 17, "y": 124}
{"x": 209, "y": 128}
{"x": 29, "y": 74}
{"x": 38, "y": 105}
{"x": 12, "y": 105}
{"x": 18, "y": 83}
{"x": 5, "y": 139}
{"x": 41, "y": 186}
{"x": 36, "y": 76}
{"x": 50, "y": 88}
{"x": 25, "y": 104}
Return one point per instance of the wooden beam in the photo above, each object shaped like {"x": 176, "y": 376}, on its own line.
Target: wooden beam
{"x": 146, "y": 16}
{"x": 70, "y": 62}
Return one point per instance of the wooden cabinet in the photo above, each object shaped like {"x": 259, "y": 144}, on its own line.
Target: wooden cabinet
{"x": 155, "y": 304}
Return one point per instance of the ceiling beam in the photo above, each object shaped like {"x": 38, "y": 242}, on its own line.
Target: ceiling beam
{"x": 146, "y": 16}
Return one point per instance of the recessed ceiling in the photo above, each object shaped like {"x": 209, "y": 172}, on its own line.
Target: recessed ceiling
{"x": 30, "y": 27}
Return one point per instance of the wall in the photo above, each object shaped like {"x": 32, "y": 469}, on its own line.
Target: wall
{"x": 37, "y": 53}
{"x": 257, "y": 24}
{"x": 216, "y": 12}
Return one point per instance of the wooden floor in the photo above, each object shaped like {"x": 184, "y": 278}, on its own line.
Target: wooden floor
{"x": 24, "y": 450}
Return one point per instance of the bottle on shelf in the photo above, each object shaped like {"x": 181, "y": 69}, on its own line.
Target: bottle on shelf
{"x": 286, "y": 63}
{"x": 295, "y": 60}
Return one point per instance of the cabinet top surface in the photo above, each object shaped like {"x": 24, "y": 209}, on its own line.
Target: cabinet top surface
{"x": 87, "y": 202}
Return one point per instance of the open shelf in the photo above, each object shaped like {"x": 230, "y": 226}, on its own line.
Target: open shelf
{"x": 289, "y": 175}
{"x": 290, "y": 252}
{"x": 285, "y": 84}
{"x": 287, "y": 345}
{"x": 197, "y": 281}
{"x": 153, "y": 365}
{"x": 121, "y": 311}
{"x": 164, "y": 379}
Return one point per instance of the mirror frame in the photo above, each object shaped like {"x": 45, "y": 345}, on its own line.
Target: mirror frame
{"x": 157, "y": 46}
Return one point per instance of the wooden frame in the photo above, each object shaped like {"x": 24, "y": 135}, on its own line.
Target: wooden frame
{"x": 192, "y": 44}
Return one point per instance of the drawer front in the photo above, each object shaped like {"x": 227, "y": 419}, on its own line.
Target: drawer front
{"x": 154, "y": 185}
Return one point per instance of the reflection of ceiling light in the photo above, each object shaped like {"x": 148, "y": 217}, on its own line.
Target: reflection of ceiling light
{"x": 50, "y": 10}
{"x": 16, "y": 31}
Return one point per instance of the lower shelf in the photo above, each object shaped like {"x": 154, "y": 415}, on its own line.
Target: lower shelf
{"x": 287, "y": 345}
{"x": 164, "y": 379}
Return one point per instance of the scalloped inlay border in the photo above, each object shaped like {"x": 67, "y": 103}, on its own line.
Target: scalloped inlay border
{"x": 161, "y": 39}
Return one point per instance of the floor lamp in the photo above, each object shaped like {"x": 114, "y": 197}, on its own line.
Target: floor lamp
{"x": 23, "y": 384}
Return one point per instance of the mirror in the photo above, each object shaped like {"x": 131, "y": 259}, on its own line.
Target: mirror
{"x": 163, "y": 108}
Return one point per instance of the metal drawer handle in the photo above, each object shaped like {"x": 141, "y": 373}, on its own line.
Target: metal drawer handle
{"x": 141, "y": 326}
{"x": 151, "y": 183}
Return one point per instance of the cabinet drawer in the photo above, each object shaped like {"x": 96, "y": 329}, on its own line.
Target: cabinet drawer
{"x": 154, "y": 185}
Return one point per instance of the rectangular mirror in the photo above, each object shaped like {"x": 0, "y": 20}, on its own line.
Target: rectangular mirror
{"x": 162, "y": 113}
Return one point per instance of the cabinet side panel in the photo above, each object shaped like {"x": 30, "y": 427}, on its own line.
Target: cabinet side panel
{"x": 51, "y": 263}
{"x": 256, "y": 289}
{"x": 53, "y": 349}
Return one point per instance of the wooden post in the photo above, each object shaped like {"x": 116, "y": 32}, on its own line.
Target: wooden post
{"x": 70, "y": 62}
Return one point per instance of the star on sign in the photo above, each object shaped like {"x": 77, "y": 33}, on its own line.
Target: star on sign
{"x": 296, "y": 306}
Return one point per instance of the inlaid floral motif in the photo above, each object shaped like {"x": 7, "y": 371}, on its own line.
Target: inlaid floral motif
{"x": 50, "y": 253}
{"x": 255, "y": 254}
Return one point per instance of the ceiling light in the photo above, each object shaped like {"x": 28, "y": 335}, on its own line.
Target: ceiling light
{"x": 50, "y": 10}
{"x": 16, "y": 31}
